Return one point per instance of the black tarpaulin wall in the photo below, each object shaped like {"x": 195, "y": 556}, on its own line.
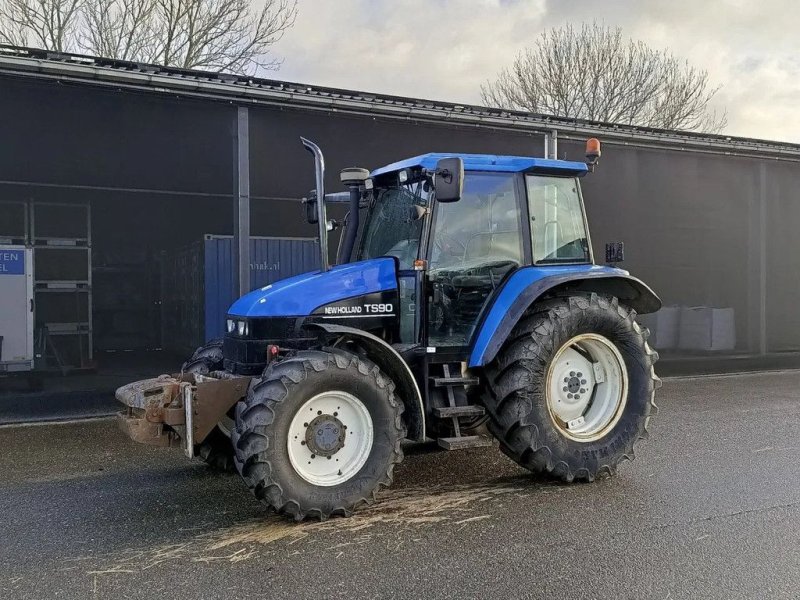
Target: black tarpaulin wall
{"x": 702, "y": 229}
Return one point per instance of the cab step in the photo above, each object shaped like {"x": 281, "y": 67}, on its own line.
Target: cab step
{"x": 451, "y": 381}
{"x": 471, "y": 410}
{"x": 464, "y": 441}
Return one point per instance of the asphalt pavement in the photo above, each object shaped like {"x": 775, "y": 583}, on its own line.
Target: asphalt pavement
{"x": 710, "y": 508}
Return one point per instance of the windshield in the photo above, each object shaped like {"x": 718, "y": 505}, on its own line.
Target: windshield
{"x": 557, "y": 223}
{"x": 394, "y": 225}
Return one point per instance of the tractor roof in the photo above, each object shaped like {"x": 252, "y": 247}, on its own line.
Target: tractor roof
{"x": 491, "y": 162}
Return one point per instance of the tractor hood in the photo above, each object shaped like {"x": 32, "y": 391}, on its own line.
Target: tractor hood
{"x": 298, "y": 296}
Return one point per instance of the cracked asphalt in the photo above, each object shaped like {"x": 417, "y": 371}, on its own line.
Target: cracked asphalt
{"x": 710, "y": 508}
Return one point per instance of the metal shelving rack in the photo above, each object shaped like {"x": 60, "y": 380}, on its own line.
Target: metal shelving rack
{"x": 76, "y": 285}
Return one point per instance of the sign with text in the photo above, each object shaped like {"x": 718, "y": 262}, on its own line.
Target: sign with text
{"x": 12, "y": 262}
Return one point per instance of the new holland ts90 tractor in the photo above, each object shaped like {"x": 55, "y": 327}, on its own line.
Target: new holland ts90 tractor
{"x": 465, "y": 303}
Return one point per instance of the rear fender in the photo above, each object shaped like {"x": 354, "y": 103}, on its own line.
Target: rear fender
{"x": 527, "y": 286}
{"x": 391, "y": 363}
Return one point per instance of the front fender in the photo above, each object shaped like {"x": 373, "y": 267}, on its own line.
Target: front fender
{"x": 391, "y": 363}
{"x": 527, "y": 285}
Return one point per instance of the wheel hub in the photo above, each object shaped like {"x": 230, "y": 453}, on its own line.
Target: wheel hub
{"x": 325, "y": 435}
{"x": 574, "y": 384}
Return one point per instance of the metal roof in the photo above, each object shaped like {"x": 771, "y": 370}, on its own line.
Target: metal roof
{"x": 489, "y": 162}
{"x": 119, "y": 74}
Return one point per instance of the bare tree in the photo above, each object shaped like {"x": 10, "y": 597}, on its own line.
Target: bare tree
{"x": 220, "y": 35}
{"x": 123, "y": 29}
{"x": 594, "y": 73}
{"x": 50, "y": 24}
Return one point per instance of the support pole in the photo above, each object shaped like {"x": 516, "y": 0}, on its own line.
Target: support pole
{"x": 762, "y": 256}
{"x": 757, "y": 264}
{"x": 241, "y": 210}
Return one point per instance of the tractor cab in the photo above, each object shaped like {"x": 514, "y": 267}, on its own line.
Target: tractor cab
{"x": 510, "y": 212}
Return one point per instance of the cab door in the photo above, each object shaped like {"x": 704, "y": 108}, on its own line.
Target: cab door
{"x": 473, "y": 245}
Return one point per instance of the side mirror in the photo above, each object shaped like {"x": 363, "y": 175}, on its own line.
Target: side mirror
{"x": 449, "y": 179}
{"x": 312, "y": 218}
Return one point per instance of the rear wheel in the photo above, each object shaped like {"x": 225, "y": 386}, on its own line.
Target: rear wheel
{"x": 216, "y": 450}
{"x": 572, "y": 389}
{"x": 319, "y": 434}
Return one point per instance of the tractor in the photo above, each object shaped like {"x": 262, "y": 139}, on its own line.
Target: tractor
{"x": 464, "y": 306}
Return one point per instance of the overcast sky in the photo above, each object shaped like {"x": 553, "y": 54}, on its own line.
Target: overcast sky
{"x": 444, "y": 49}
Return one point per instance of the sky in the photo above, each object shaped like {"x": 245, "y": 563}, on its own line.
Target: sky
{"x": 445, "y": 49}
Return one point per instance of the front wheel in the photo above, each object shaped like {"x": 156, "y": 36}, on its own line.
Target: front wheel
{"x": 319, "y": 434}
{"x": 572, "y": 389}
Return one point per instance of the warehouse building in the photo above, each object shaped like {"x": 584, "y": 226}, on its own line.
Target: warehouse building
{"x": 135, "y": 187}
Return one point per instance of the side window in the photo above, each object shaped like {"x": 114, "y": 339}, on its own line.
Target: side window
{"x": 557, "y": 224}
{"x": 474, "y": 243}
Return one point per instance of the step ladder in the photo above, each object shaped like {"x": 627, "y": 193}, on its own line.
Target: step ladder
{"x": 451, "y": 384}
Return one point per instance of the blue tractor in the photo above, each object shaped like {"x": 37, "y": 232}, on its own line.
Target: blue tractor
{"x": 465, "y": 306}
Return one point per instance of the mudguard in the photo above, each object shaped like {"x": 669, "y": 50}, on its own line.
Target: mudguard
{"x": 528, "y": 284}
{"x": 391, "y": 363}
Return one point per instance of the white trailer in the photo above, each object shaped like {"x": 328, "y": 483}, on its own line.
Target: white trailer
{"x": 16, "y": 309}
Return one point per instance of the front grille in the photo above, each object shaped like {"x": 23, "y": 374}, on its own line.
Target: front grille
{"x": 246, "y": 355}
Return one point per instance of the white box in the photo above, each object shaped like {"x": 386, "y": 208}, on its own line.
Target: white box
{"x": 708, "y": 329}
{"x": 663, "y": 326}
{"x": 16, "y": 308}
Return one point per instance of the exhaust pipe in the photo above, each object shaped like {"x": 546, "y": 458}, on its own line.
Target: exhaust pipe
{"x": 322, "y": 220}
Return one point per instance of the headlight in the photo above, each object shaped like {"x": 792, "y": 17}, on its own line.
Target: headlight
{"x": 231, "y": 325}
{"x": 241, "y": 328}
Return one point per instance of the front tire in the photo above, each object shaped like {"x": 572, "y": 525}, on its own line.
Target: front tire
{"x": 572, "y": 389}
{"x": 319, "y": 434}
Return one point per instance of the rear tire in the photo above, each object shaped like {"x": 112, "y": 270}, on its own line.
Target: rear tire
{"x": 524, "y": 391}
{"x": 216, "y": 450}
{"x": 275, "y": 448}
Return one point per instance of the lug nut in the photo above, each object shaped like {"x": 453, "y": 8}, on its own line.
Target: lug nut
{"x": 569, "y": 396}
{"x": 564, "y": 389}
{"x": 583, "y": 382}
{"x": 577, "y": 397}
{"x": 583, "y": 391}
{"x": 572, "y": 373}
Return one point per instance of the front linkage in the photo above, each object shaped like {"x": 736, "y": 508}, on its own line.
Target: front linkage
{"x": 178, "y": 410}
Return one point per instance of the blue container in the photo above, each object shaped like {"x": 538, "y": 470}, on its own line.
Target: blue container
{"x": 197, "y": 283}
{"x": 271, "y": 259}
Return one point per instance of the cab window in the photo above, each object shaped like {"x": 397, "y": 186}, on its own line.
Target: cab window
{"x": 558, "y": 227}
{"x": 475, "y": 242}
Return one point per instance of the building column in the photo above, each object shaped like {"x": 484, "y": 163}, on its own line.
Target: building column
{"x": 757, "y": 264}
{"x": 241, "y": 205}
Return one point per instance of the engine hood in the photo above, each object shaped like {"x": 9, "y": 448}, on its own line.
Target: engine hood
{"x": 298, "y": 296}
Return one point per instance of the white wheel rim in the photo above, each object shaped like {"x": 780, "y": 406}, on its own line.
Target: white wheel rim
{"x": 587, "y": 387}
{"x": 335, "y": 449}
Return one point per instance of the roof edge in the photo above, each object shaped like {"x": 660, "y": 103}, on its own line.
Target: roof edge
{"x": 83, "y": 69}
